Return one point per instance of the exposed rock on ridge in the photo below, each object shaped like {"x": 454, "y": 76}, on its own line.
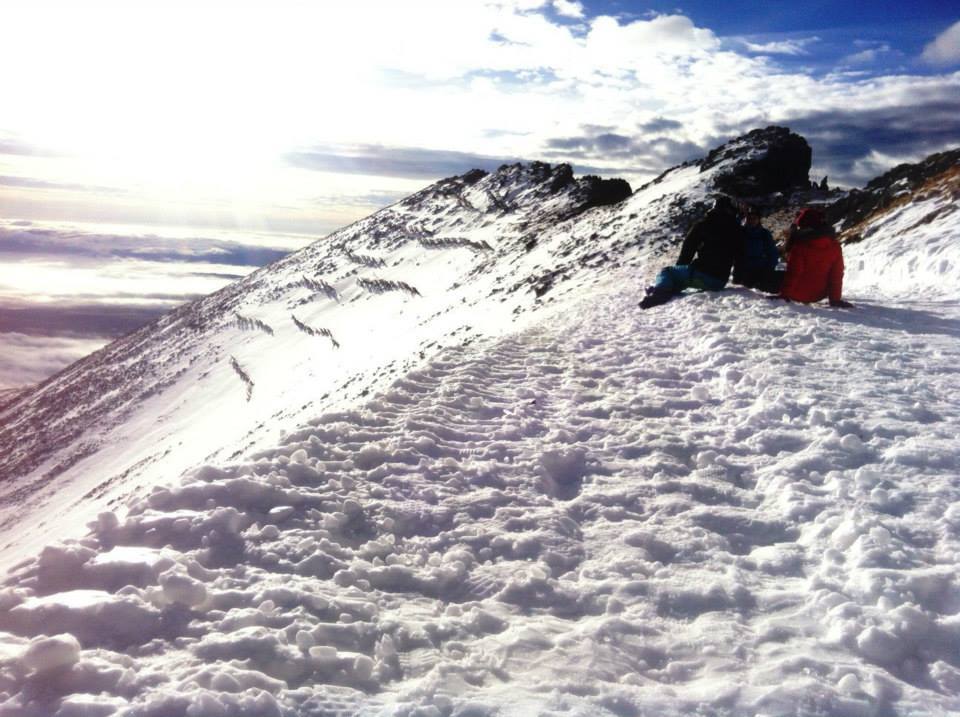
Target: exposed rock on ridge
{"x": 770, "y": 160}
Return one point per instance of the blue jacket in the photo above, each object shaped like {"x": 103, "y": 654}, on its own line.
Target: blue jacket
{"x": 758, "y": 256}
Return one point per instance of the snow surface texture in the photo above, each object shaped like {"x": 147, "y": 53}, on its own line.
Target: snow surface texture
{"x": 701, "y": 507}
{"x": 725, "y": 505}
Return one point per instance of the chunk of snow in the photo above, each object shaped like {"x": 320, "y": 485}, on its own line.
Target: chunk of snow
{"x": 95, "y": 617}
{"x": 51, "y": 653}
{"x": 183, "y": 589}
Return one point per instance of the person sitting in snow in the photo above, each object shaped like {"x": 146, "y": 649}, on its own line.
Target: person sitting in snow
{"x": 706, "y": 256}
{"x": 756, "y": 265}
{"x": 814, "y": 261}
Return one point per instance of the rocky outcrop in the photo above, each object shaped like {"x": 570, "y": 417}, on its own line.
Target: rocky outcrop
{"x": 604, "y": 192}
{"x": 761, "y": 162}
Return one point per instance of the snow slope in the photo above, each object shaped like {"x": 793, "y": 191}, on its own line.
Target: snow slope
{"x": 470, "y": 256}
{"x": 910, "y": 245}
{"x": 725, "y": 505}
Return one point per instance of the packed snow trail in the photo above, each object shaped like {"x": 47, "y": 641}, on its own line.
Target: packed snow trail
{"x": 726, "y": 504}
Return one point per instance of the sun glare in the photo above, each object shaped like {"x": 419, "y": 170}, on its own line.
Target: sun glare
{"x": 177, "y": 93}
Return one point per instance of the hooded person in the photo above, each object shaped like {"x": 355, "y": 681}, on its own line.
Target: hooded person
{"x": 706, "y": 256}
{"x": 756, "y": 264}
{"x": 814, "y": 261}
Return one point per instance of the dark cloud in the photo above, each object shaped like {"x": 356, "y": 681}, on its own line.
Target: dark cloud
{"x": 569, "y": 143}
{"x": 216, "y": 275}
{"x": 158, "y": 296}
{"x": 406, "y": 162}
{"x": 427, "y": 164}
{"x": 610, "y": 142}
{"x": 206, "y": 252}
{"x": 54, "y": 242}
{"x": 841, "y": 139}
{"x": 660, "y": 124}
{"x": 78, "y": 320}
{"x": 594, "y": 129}
{"x": 675, "y": 151}
{"x": 644, "y": 154}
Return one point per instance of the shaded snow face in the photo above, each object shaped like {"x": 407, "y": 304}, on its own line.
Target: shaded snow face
{"x": 724, "y": 505}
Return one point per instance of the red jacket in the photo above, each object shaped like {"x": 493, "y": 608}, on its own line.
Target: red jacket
{"x": 814, "y": 270}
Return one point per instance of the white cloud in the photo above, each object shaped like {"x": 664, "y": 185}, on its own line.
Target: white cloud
{"x": 867, "y": 56}
{"x": 781, "y": 47}
{"x": 208, "y": 127}
{"x": 945, "y": 48}
{"x": 568, "y": 8}
{"x": 26, "y": 360}
{"x": 864, "y": 57}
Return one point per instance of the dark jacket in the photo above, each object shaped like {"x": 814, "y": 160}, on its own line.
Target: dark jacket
{"x": 814, "y": 266}
{"x": 712, "y": 244}
{"x": 758, "y": 258}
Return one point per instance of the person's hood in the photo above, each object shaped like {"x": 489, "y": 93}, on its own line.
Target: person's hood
{"x": 821, "y": 244}
{"x": 810, "y": 233}
{"x": 810, "y": 218}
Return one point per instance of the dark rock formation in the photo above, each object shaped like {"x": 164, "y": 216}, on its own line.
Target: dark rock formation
{"x": 562, "y": 178}
{"x": 762, "y": 162}
{"x": 473, "y": 176}
{"x": 603, "y": 192}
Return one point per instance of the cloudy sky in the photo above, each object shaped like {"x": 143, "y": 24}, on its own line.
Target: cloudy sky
{"x": 173, "y": 145}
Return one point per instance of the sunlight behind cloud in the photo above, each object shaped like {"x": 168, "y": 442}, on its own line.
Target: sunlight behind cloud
{"x": 174, "y": 91}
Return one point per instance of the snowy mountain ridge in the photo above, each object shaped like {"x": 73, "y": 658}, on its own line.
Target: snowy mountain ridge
{"x": 439, "y": 464}
{"x": 123, "y": 414}
{"x": 901, "y": 184}
{"x": 907, "y": 218}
